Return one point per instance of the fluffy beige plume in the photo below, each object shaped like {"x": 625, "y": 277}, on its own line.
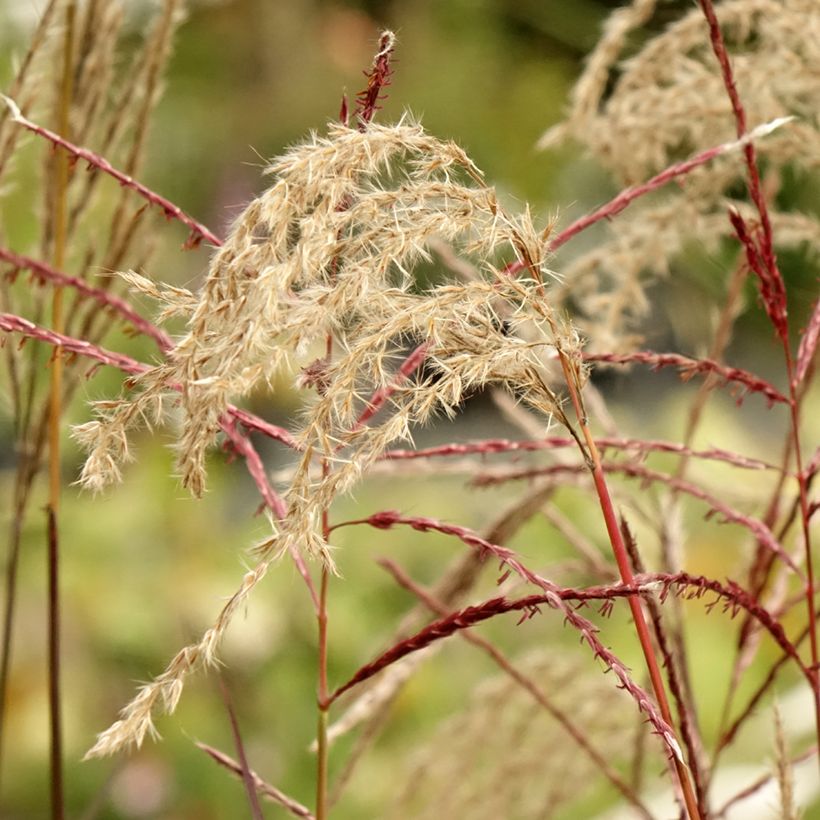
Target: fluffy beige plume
{"x": 329, "y": 249}
{"x": 667, "y": 101}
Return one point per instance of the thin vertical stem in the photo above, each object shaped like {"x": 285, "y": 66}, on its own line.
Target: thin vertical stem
{"x": 622, "y": 559}
{"x": 590, "y": 452}
{"x": 247, "y": 775}
{"x": 55, "y": 712}
{"x": 323, "y": 701}
{"x": 772, "y": 290}
{"x": 673, "y": 675}
{"x": 55, "y": 413}
{"x": 805, "y": 515}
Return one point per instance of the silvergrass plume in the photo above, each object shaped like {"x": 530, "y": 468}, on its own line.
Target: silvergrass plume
{"x": 329, "y": 249}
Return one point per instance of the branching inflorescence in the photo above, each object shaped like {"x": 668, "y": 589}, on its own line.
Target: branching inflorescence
{"x": 329, "y": 249}
{"x": 318, "y": 277}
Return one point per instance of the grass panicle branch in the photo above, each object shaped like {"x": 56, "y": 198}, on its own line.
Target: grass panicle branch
{"x": 731, "y": 597}
{"x": 94, "y": 161}
{"x": 689, "y": 367}
{"x": 717, "y": 507}
{"x": 389, "y": 518}
{"x": 538, "y": 693}
{"x": 641, "y": 447}
{"x": 271, "y": 792}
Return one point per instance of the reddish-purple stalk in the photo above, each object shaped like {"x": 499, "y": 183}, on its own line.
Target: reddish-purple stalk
{"x": 690, "y": 367}
{"x": 688, "y": 731}
{"x": 632, "y": 470}
{"x": 17, "y": 324}
{"x": 378, "y": 78}
{"x": 107, "y": 300}
{"x": 526, "y": 682}
{"x": 272, "y": 431}
{"x": 762, "y": 260}
{"x": 508, "y": 559}
{"x": 593, "y": 464}
{"x": 273, "y": 501}
{"x": 241, "y": 445}
{"x": 245, "y": 770}
{"x": 94, "y": 160}
{"x": 288, "y": 803}
{"x": 626, "y": 197}
{"x": 659, "y": 584}
{"x": 641, "y": 446}
{"x": 592, "y": 459}
{"x": 411, "y": 363}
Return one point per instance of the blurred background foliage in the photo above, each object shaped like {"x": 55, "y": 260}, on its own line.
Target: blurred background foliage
{"x": 146, "y": 567}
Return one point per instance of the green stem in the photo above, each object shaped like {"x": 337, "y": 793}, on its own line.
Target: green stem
{"x": 323, "y": 704}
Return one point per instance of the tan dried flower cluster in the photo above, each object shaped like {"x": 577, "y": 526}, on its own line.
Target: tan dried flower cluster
{"x": 328, "y": 250}
{"x": 668, "y": 102}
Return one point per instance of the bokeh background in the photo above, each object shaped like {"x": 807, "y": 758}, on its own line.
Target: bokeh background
{"x": 146, "y": 567}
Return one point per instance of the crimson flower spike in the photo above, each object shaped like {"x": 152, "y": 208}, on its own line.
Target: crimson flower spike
{"x": 378, "y": 77}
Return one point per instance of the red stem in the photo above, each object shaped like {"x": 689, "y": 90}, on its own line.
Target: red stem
{"x": 622, "y": 559}
{"x": 172, "y": 211}
{"x": 247, "y": 775}
{"x": 773, "y": 292}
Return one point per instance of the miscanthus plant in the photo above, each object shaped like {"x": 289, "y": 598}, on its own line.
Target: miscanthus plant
{"x": 318, "y": 277}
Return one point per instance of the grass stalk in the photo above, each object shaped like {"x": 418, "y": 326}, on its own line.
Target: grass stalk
{"x": 55, "y": 415}
{"x": 805, "y": 518}
{"x": 621, "y": 555}
{"x": 323, "y": 702}
{"x": 589, "y": 450}
{"x": 246, "y": 774}
{"x": 271, "y": 792}
{"x": 762, "y": 261}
